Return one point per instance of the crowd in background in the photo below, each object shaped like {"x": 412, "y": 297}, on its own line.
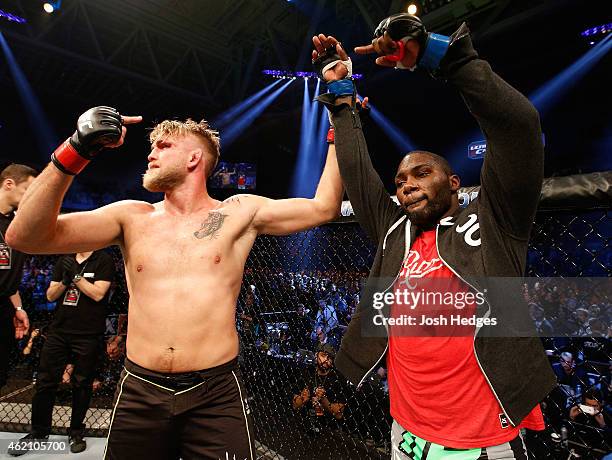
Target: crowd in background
{"x": 289, "y": 315}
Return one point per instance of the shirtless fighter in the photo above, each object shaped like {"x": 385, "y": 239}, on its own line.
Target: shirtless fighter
{"x": 180, "y": 394}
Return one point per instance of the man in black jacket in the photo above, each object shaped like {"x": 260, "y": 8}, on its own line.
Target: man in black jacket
{"x": 467, "y": 392}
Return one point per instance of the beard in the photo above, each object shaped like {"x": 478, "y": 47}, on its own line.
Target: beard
{"x": 431, "y": 214}
{"x": 156, "y": 180}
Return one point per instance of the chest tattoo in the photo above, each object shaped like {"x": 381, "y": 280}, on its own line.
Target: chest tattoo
{"x": 211, "y": 226}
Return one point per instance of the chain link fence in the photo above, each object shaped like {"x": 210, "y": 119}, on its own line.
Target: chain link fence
{"x": 300, "y": 291}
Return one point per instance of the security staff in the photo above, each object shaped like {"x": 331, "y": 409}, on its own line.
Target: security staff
{"x": 14, "y": 323}
{"x": 80, "y": 284}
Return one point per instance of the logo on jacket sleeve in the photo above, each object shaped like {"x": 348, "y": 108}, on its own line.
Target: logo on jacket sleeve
{"x": 468, "y": 228}
{"x": 503, "y": 421}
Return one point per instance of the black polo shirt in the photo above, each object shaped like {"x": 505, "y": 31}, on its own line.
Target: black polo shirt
{"x": 76, "y": 312}
{"x": 11, "y": 261}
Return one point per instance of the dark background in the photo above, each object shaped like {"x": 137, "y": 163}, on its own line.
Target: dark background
{"x": 172, "y": 59}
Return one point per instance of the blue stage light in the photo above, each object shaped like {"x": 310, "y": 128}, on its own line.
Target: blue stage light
{"x": 11, "y": 17}
{"x": 290, "y": 74}
{"x": 597, "y": 30}
{"x": 46, "y": 139}
{"x": 239, "y": 125}
{"x": 228, "y": 116}
{"x": 313, "y": 148}
{"x": 553, "y": 90}
{"x": 397, "y": 136}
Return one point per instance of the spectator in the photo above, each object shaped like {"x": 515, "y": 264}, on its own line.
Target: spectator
{"x": 327, "y": 318}
{"x": 582, "y": 322}
{"x": 591, "y": 413}
{"x": 543, "y": 326}
{"x": 300, "y": 327}
{"x": 565, "y": 370}
{"x": 322, "y": 395}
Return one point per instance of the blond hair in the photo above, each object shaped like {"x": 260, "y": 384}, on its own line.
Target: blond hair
{"x": 189, "y": 126}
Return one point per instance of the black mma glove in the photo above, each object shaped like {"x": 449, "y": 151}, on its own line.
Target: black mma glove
{"x": 96, "y": 128}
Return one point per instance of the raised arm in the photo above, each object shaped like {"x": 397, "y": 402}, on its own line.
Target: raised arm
{"x": 37, "y": 227}
{"x": 374, "y": 208}
{"x": 513, "y": 168}
{"x": 511, "y": 177}
{"x": 282, "y": 217}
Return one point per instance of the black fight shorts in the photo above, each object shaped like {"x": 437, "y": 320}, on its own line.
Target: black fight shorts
{"x": 203, "y": 415}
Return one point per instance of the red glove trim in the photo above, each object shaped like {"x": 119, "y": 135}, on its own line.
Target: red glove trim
{"x": 399, "y": 53}
{"x": 67, "y": 159}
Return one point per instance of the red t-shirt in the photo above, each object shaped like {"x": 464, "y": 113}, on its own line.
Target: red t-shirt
{"x": 436, "y": 388}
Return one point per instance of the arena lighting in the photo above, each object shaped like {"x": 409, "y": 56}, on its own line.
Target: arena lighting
{"x": 46, "y": 139}
{"x": 547, "y": 95}
{"x": 228, "y": 116}
{"x": 50, "y": 7}
{"x": 287, "y": 74}
{"x": 397, "y": 136}
{"x": 544, "y": 99}
{"x": 295, "y": 189}
{"x": 239, "y": 125}
{"x": 602, "y": 30}
{"x": 412, "y": 9}
{"x": 305, "y": 177}
{"x": 12, "y": 17}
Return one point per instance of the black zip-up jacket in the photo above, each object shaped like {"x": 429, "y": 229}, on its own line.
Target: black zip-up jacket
{"x": 487, "y": 239}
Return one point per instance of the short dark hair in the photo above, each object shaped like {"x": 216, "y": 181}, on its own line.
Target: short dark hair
{"x": 328, "y": 349}
{"x": 19, "y": 173}
{"x": 593, "y": 393}
{"x": 439, "y": 160}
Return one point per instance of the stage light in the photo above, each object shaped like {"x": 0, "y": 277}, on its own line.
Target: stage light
{"x": 11, "y": 17}
{"x": 50, "y": 7}
{"x": 547, "y": 95}
{"x": 239, "y": 125}
{"x": 282, "y": 74}
{"x": 311, "y": 153}
{"x": 412, "y": 9}
{"x": 227, "y": 117}
{"x": 401, "y": 141}
{"x": 597, "y": 30}
{"x": 46, "y": 139}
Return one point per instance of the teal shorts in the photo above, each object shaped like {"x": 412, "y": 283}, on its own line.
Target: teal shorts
{"x": 405, "y": 445}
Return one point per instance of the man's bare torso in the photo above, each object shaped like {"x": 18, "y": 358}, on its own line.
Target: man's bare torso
{"x": 184, "y": 274}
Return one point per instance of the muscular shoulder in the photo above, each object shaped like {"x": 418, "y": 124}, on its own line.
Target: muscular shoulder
{"x": 244, "y": 199}
{"x": 132, "y": 205}
{"x": 125, "y": 208}
{"x": 242, "y": 205}
{"x": 243, "y": 202}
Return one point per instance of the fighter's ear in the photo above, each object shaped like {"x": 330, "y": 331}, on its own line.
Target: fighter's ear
{"x": 8, "y": 183}
{"x": 454, "y": 182}
{"x": 195, "y": 157}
